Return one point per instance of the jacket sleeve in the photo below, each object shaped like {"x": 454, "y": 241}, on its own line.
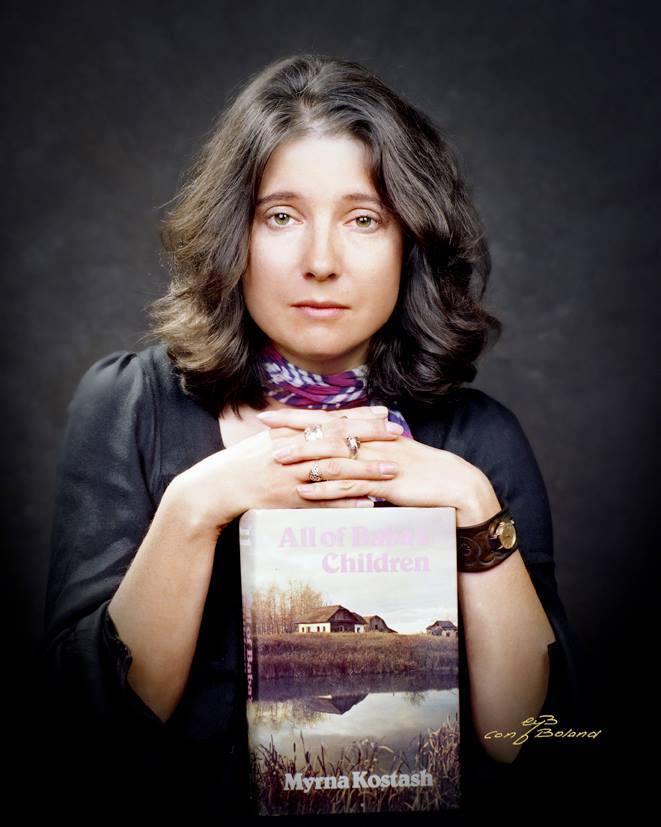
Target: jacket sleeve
{"x": 490, "y": 436}
{"x": 102, "y": 511}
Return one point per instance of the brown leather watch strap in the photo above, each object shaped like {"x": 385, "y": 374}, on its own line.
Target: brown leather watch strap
{"x": 484, "y": 546}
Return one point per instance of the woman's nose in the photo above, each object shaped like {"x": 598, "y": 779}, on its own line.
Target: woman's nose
{"x": 321, "y": 252}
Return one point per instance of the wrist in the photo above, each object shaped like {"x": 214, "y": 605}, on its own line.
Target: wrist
{"x": 191, "y": 511}
{"x": 478, "y": 501}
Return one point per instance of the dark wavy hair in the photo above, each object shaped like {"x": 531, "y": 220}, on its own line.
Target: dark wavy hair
{"x": 429, "y": 345}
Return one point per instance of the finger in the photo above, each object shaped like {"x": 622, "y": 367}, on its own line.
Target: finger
{"x": 378, "y": 411}
{"x": 302, "y": 417}
{"x": 278, "y": 431}
{"x": 336, "y": 489}
{"x": 335, "y": 469}
{"x": 357, "y": 502}
{"x": 334, "y": 442}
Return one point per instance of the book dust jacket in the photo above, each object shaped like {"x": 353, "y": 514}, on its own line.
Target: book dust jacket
{"x": 351, "y": 655}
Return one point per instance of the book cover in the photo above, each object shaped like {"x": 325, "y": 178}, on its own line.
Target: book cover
{"x": 351, "y": 655}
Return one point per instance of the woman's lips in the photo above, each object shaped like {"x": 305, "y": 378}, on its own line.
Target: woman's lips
{"x": 320, "y": 312}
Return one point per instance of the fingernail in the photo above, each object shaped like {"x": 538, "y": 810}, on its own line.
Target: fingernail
{"x": 364, "y": 504}
{"x": 394, "y": 428}
{"x": 387, "y": 467}
{"x": 281, "y": 453}
{"x": 379, "y": 409}
{"x": 267, "y": 415}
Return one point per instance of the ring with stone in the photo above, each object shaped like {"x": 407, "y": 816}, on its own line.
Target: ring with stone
{"x": 313, "y": 432}
{"x": 314, "y": 473}
{"x": 354, "y": 444}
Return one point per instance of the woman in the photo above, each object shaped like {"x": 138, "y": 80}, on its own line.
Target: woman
{"x": 318, "y": 187}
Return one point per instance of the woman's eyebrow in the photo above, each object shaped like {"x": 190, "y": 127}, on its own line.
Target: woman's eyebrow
{"x": 286, "y": 195}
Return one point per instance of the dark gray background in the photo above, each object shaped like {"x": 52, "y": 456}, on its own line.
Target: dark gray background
{"x": 554, "y": 109}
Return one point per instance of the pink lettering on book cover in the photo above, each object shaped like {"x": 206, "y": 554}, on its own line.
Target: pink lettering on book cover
{"x": 351, "y": 655}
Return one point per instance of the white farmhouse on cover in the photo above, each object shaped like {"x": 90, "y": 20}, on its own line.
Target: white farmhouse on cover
{"x": 331, "y": 619}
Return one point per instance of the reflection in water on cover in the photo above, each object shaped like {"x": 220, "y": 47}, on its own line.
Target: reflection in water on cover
{"x": 389, "y": 709}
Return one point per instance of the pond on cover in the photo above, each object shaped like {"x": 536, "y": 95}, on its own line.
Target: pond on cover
{"x": 389, "y": 710}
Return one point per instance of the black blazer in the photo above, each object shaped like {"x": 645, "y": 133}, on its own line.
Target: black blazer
{"x": 130, "y": 430}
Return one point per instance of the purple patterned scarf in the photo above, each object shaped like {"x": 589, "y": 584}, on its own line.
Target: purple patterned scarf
{"x": 302, "y": 389}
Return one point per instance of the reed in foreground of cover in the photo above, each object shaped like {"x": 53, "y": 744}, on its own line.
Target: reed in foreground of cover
{"x": 300, "y": 656}
{"x": 437, "y": 753}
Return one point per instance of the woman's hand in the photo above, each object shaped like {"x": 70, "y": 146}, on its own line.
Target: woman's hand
{"x": 246, "y": 475}
{"x": 424, "y": 476}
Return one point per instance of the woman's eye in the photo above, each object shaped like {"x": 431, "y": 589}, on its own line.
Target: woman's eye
{"x": 371, "y": 222}
{"x": 278, "y": 216}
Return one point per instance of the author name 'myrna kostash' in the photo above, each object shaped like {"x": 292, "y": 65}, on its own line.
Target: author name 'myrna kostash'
{"x": 361, "y": 780}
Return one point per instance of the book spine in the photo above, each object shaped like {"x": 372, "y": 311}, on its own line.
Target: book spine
{"x": 247, "y": 651}
{"x": 244, "y": 546}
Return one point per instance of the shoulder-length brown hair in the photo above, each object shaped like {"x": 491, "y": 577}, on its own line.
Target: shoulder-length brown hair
{"x": 438, "y": 328}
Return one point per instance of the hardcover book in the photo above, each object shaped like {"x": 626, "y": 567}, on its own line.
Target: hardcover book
{"x": 351, "y": 656}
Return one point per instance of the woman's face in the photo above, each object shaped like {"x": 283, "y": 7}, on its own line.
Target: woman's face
{"x": 320, "y": 235}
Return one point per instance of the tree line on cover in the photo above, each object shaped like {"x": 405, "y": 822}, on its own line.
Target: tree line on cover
{"x": 275, "y": 610}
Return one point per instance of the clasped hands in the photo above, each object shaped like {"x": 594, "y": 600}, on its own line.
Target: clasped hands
{"x": 399, "y": 469}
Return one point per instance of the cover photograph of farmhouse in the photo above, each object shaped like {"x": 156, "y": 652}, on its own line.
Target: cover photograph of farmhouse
{"x": 352, "y": 660}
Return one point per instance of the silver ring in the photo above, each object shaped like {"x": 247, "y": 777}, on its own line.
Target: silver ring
{"x": 313, "y": 432}
{"x": 354, "y": 444}
{"x": 314, "y": 474}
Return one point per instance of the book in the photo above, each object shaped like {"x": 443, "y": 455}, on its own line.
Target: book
{"x": 351, "y": 656}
